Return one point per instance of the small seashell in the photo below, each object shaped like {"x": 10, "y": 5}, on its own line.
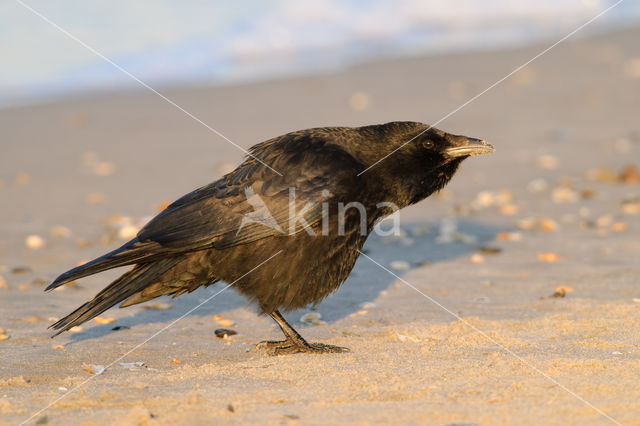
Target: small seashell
{"x": 509, "y": 209}
{"x": 564, "y": 195}
{"x": 93, "y": 369}
{"x": 504, "y": 196}
{"x": 548, "y": 257}
{"x": 477, "y": 258}
{"x": 75, "y": 329}
{"x": 319, "y": 322}
{"x": 101, "y": 320}
{"x": 483, "y": 199}
{"x": 224, "y": 333}
{"x": 22, "y": 179}
{"x": 548, "y": 162}
{"x": 400, "y": 265}
{"x": 310, "y": 317}
{"x": 34, "y": 242}
{"x": 225, "y": 323}
{"x": 619, "y": 227}
{"x": 104, "y": 168}
{"x": 631, "y": 206}
{"x": 3, "y": 283}
{"x": 60, "y": 232}
{"x": 95, "y": 198}
{"x": 602, "y": 175}
{"x": 367, "y": 305}
{"x": 630, "y": 174}
{"x": 587, "y": 193}
{"x": 35, "y": 319}
{"x": 509, "y": 236}
{"x": 3, "y": 337}
{"x": 175, "y": 361}
{"x": 57, "y": 347}
{"x": 128, "y": 232}
{"x": 548, "y": 225}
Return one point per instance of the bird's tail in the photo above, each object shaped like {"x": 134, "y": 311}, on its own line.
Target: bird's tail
{"x": 124, "y": 287}
{"x": 130, "y": 253}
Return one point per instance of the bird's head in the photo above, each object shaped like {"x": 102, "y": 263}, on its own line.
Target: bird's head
{"x": 415, "y": 159}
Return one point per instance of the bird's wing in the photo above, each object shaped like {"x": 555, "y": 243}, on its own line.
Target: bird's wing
{"x": 254, "y": 202}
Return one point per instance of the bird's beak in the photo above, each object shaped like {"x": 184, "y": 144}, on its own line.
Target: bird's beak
{"x": 469, "y": 147}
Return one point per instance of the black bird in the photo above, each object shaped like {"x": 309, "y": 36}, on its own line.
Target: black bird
{"x": 280, "y": 226}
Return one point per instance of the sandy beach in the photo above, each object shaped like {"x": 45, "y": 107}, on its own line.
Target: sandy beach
{"x": 512, "y": 297}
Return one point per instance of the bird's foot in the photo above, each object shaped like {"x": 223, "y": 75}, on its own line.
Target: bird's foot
{"x": 286, "y": 347}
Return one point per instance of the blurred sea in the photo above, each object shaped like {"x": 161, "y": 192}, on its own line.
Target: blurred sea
{"x": 166, "y": 42}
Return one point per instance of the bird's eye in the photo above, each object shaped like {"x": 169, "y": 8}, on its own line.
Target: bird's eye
{"x": 427, "y": 144}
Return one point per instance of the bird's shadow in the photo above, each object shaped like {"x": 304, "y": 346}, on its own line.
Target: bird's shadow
{"x": 418, "y": 245}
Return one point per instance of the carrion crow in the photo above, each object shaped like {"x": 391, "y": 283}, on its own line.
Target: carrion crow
{"x": 286, "y": 226}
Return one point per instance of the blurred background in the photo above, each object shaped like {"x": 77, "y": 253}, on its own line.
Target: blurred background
{"x": 218, "y": 42}
{"x": 88, "y": 155}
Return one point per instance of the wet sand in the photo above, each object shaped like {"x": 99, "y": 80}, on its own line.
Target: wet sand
{"x": 479, "y": 340}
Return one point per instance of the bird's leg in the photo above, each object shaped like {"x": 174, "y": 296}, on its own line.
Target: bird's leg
{"x": 294, "y": 342}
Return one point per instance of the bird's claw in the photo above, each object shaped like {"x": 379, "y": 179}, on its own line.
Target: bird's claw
{"x": 287, "y": 347}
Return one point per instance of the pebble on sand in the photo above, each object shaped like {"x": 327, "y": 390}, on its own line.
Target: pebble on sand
{"x": 548, "y": 257}
{"x": 60, "y": 232}
{"x": 223, "y": 322}
{"x": 564, "y": 195}
{"x": 619, "y": 227}
{"x": 22, "y": 179}
{"x": 34, "y": 242}
{"x": 104, "y": 168}
{"x": 400, "y": 265}
{"x": 509, "y": 236}
{"x": 630, "y": 175}
{"x": 95, "y": 198}
{"x": 548, "y": 162}
{"x": 308, "y": 318}
{"x": 631, "y": 206}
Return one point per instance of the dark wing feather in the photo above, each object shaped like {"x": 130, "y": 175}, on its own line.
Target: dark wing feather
{"x": 254, "y": 202}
